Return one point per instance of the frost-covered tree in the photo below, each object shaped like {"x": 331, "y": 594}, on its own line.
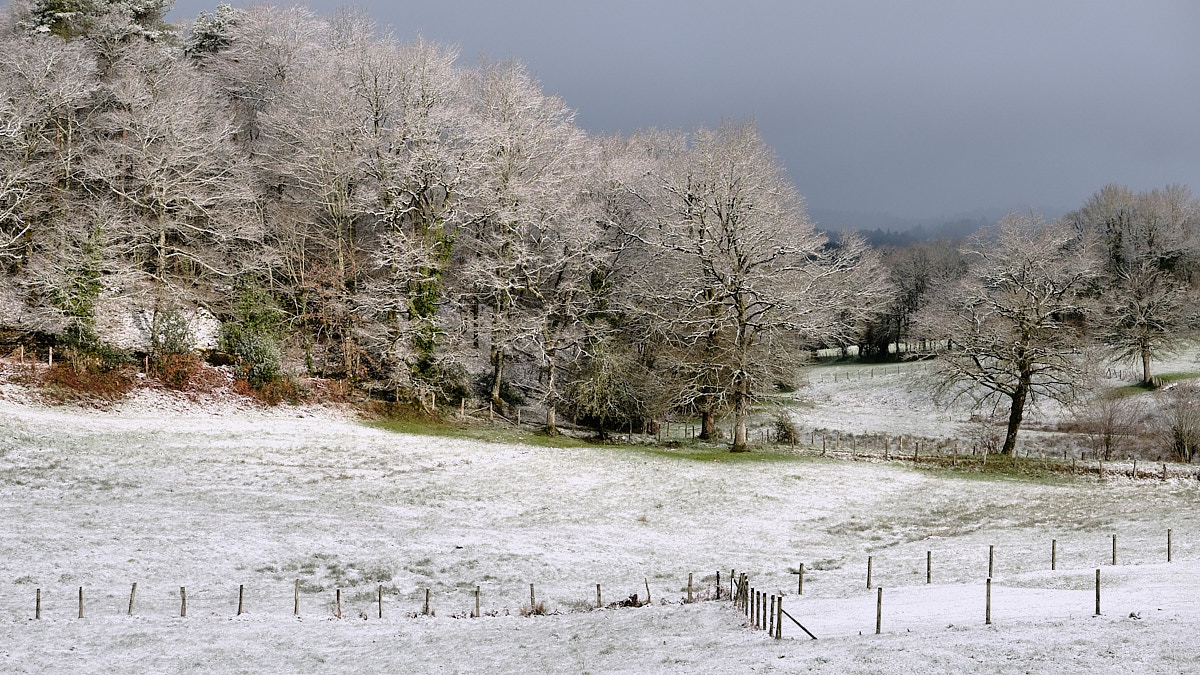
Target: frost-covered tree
{"x": 75, "y": 18}
{"x": 533, "y": 159}
{"x": 211, "y": 33}
{"x": 737, "y": 277}
{"x": 1015, "y": 321}
{"x": 1148, "y": 242}
{"x": 164, "y": 151}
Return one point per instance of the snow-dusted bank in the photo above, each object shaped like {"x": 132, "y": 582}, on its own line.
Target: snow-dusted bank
{"x": 168, "y": 493}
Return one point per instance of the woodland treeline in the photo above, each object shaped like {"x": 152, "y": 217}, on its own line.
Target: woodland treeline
{"x": 338, "y": 203}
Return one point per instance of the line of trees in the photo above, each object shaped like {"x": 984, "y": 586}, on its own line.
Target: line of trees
{"x": 378, "y": 212}
{"x": 375, "y": 211}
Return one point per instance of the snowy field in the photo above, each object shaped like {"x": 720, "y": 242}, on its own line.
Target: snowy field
{"x": 166, "y": 493}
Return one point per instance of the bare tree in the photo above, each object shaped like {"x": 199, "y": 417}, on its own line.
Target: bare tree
{"x": 534, "y": 159}
{"x": 1109, "y": 421}
{"x": 739, "y": 278}
{"x": 1015, "y": 319}
{"x": 1147, "y": 239}
{"x": 915, "y": 270}
{"x": 163, "y": 150}
{"x": 1178, "y": 427}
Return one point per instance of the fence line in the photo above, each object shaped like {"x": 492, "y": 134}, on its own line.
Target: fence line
{"x": 762, "y": 610}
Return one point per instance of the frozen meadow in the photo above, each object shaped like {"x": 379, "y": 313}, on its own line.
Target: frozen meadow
{"x": 168, "y": 492}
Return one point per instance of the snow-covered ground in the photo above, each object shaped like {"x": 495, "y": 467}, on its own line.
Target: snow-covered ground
{"x": 166, "y": 493}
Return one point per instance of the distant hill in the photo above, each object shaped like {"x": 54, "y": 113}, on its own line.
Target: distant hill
{"x": 885, "y": 229}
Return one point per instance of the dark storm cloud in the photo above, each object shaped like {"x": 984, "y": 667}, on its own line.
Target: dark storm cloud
{"x": 917, "y": 109}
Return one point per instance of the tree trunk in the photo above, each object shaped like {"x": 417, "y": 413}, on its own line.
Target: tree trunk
{"x": 497, "y": 375}
{"x": 552, "y": 396}
{"x": 739, "y": 428}
{"x": 741, "y": 411}
{"x": 708, "y": 425}
{"x": 1015, "y": 413}
{"x": 1146, "y": 366}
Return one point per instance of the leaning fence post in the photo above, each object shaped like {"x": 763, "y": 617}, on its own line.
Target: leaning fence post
{"x": 241, "y": 591}
{"x": 132, "y": 593}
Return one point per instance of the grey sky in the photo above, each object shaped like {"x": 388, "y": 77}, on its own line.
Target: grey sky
{"x": 919, "y": 109}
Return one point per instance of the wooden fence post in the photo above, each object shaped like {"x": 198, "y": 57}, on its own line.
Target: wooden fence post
{"x": 379, "y": 599}
{"x": 532, "y": 601}
{"x": 800, "y": 589}
{"x": 241, "y": 591}
{"x": 1168, "y": 542}
{"x": 81, "y": 602}
{"x": 771, "y": 618}
{"x": 689, "y": 587}
{"x": 296, "y": 606}
{"x": 987, "y": 620}
{"x": 37, "y": 607}
{"x": 132, "y": 593}
{"x": 477, "y": 613}
{"x": 426, "y": 612}
{"x": 1053, "y": 554}
{"x": 1114, "y": 557}
{"x": 991, "y": 560}
{"x": 339, "y": 603}
{"x": 879, "y": 612}
{"x": 182, "y": 602}
{"x": 779, "y": 620}
{"x": 599, "y": 602}
{"x": 1097, "y": 592}
{"x": 929, "y": 567}
{"x": 869, "y": 560}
